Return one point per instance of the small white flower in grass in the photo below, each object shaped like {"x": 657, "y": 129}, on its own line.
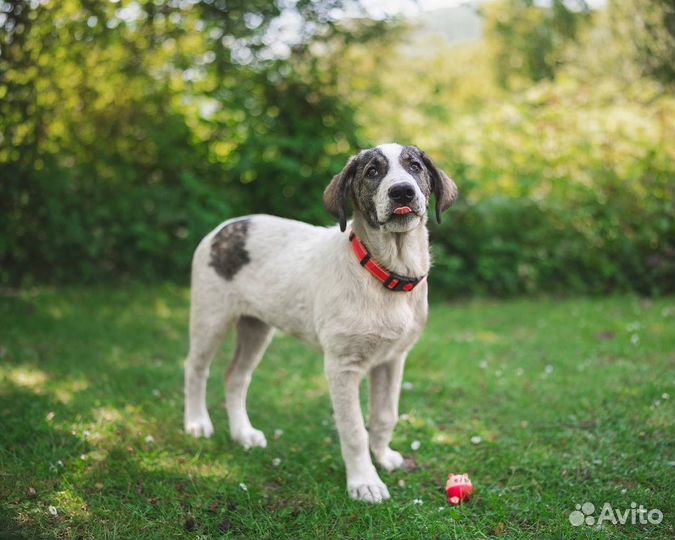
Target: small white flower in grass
{"x": 418, "y": 501}
{"x": 407, "y": 386}
{"x": 156, "y": 392}
{"x": 52, "y": 510}
{"x": 415, "y": 445}
{"x": 278, "y": 433}
{"x": 476, "y": 439}
{"x": 665, "y": 396}
{"x": 50, "y": 416}
{"x": 59, "y": 463}
{"x": 635, "y": 339}
{"x": 657, "y": 403}
{"x": 401, "y": 483}
{"x": 623, "y": 491}
{"x": 83, "y": 457}
{"x": 243, "y": 486}
{"x": 149, "y": 439}
{"x": 441, "y": 508}
{"x": 276, "y": 462}
{"x": 483, "y": 364}
{"x": 85, "y": 434}
{"x": 404, "y": 417}
{"x": 548, "y": 369}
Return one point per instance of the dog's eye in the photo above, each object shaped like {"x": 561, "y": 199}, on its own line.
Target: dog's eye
{"x": 415, "y": 167}
{"x": 371, "y": 172}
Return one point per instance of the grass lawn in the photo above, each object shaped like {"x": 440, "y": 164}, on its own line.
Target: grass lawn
{"x": 545, "y": 403}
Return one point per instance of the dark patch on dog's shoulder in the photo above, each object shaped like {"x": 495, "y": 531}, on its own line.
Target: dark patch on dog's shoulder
{"x": 228, "y": 249}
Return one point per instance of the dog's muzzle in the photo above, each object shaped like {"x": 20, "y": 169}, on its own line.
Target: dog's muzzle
{"x": 401, "y": 197}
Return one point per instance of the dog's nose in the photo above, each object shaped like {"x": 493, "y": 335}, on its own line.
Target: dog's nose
{"x": 402, "y": 193}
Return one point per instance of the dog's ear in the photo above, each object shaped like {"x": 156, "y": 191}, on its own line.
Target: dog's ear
{"x": 336, "y": 195}
{"x": 442, "y": 185}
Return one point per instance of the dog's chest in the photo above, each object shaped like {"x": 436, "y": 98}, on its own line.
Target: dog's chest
{"x": 392, "y": 324}
{"x": 370, "y": 336}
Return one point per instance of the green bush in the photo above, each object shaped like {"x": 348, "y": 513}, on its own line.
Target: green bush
{"x": 564, "y": 190}
{"x": 125, "y": 138}
{"x": 121, "y": 145}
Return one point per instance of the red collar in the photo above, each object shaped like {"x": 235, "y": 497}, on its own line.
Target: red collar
{"x": 390, "y": 280}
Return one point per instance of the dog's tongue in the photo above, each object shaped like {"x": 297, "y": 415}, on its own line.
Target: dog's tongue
{"x": 402, "y": 210}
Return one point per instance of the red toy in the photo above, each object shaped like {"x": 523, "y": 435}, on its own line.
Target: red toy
{"x": 459, "y": 488}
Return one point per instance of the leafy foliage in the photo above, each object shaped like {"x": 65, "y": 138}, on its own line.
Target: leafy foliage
{"x": 647, "y": 30}
{"x": 565, "y": 184}
{"x": 528, "y": 40}
{"x": 130, "y": 129}
{"x": 564, "y": 191}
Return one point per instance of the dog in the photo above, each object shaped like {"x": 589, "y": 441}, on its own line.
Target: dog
{"x": 358, "y": 292}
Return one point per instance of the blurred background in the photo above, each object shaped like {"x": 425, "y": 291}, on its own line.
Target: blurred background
{"x": 130, "y": 128}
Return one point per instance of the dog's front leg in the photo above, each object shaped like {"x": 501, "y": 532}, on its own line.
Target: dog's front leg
{"x": 363, "y": 482}
{"x": 385, "y": 388}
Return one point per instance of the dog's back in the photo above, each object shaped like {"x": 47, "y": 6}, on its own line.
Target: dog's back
{"x": 266, "y": 267}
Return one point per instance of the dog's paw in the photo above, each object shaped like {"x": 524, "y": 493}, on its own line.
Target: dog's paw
{"x": 390, "y": 460}
{"x": 200, "y": 426}
{"x": 373, "y": 491}
{"x": 250, "y": 438}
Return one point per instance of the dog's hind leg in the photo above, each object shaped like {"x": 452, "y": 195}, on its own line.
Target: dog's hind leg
{"x": 208, "y": 326}
{"x": 253, "y": 337}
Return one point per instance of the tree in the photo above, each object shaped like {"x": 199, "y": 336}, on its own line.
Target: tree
{"x": 129, "y": 129}
{"x": 528, "y": 40}
{"x": 645, "y": 32}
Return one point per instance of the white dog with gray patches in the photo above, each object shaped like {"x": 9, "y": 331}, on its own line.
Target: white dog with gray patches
{"x": 362, "y": 300}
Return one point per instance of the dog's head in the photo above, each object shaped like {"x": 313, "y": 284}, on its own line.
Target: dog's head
{"x": 390, "y": 186}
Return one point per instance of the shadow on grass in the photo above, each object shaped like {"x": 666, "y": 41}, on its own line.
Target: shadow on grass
{"x": 93, "y": 416}
{"x": 91, "y": 411}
